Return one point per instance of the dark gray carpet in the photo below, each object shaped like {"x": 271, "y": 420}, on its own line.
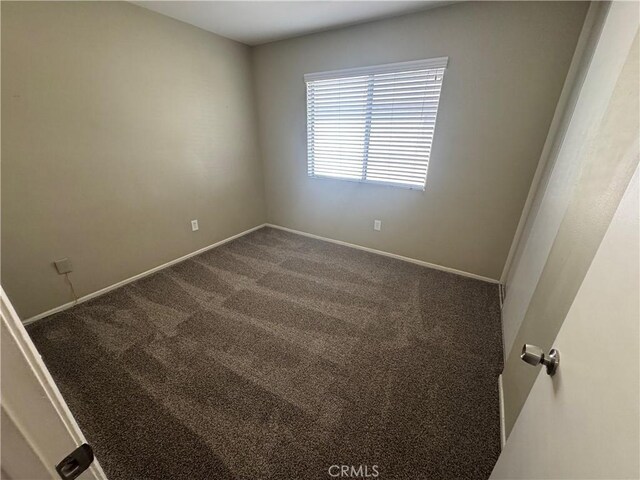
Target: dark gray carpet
{"x": 276, "y": 356}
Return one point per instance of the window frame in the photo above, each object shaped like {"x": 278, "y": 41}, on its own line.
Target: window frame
{"x": 397, "y": 67}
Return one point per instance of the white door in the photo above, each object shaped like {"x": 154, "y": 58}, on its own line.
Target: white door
{"x": 583, "y": 423}
{"x": 38, "y": 430}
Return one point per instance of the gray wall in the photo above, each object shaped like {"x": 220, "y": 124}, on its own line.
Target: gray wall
{"x": 119, "y": 126}
{"x": 507, "y": 64}
{"x": 549, "y": 197}
{"x": 583, "y": 186}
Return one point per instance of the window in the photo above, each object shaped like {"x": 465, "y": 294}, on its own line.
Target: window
{"x": 374, "y": 124}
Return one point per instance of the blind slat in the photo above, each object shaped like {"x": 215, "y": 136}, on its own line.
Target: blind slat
{"x": 374, "y": 128}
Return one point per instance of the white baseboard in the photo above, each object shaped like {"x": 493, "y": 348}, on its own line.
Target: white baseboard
{"x": 104, "y": 290}
{"x": 503, "y": 433}
{"x": 387, "y": 254}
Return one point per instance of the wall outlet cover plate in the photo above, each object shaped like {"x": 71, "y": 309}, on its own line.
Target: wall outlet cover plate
{"x": 63, "y": 266}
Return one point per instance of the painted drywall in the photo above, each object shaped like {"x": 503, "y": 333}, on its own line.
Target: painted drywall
{"x": 507, "y": 65}
{"x": 120, "y": 126}
{"x": 550, "y": 197}
{"x": 566, "y": 102}
{"x": 584, "y": 422}
{"x": 583, "y": 188}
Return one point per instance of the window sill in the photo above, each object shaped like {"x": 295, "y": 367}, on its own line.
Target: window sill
{"x": 369, "y": 182}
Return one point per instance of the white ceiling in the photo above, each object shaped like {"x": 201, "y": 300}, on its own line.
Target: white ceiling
{"x": 256, "y": 22}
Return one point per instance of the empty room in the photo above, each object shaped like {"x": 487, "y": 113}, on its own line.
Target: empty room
{"x": 297, "y": 240}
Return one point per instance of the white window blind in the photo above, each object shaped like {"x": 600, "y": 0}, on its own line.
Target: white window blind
{"x": 374, "y": 124}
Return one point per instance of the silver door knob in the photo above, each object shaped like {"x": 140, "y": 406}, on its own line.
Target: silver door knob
{"x": 534, "y": 355}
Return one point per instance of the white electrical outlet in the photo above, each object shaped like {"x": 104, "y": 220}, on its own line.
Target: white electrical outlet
{"x": 377, "y": 225}
{"x": 194, "y": 225}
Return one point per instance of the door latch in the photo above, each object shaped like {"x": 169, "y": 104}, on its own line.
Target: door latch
{"x": 75, "y": 463}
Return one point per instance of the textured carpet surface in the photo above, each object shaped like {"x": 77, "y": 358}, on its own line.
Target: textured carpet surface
{"x": 277, "y": 356}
